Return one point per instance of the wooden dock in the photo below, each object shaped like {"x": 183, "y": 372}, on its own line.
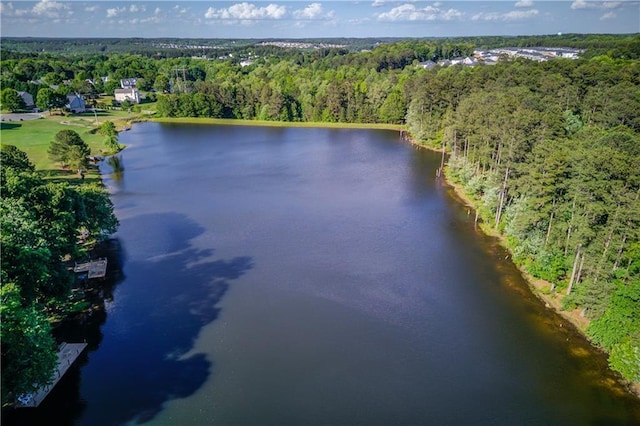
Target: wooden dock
{"x": 94, "y": 268}
{"x": 67, "y": 354}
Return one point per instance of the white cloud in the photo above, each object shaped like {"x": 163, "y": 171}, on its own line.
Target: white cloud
{"x": 91, "y": 8}
{"x": 50, "y": 9}
{"x": 180, "y": 10}
{"x": 157, "y": 11}
{"x": 584, "y": 4}
{"x": 378, "y": 3}
{"x": 24, "y": 12}
{"x": 152, "y": 19}
{"x": 112, "y": 13}
{"x": 115, "y": 11}
{"x": 580, "y": 4}
{"x": 524, "y": 3}
{"x": 515, "y": 15}
{"x": 409, "y": 12}
{"x": 608, "y": 15}
{"x": 452, "y": 14}
{"x": 437, "y": 4}
{"x": 137, "y": 8}
{"x": 311, "y": 12}
{"x": 247, "y": 11}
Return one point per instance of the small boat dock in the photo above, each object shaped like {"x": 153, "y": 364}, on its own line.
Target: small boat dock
{"x": 94, "y": 268}
{"x": 67, "y": 354}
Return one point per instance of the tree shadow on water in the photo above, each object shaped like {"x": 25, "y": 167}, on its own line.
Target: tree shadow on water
{"x": 170, "y": 292}
{"x": 136, "y": 359}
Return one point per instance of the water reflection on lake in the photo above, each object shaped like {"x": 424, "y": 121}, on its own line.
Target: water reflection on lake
{"x": 278, "y": 276}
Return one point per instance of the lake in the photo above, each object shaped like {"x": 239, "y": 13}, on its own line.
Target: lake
{"x": 288, "y": 276}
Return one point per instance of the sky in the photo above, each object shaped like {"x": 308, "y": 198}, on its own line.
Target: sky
{"x": 314, "y": 19}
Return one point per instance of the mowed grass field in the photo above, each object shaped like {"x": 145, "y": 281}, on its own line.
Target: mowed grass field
{"x": 237, "y": 122}
{"x": 34, "y": 136}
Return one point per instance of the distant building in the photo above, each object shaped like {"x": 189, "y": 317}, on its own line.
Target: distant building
{"x": 75, "y": 103}
{"x": 130, "y": 94}
{"x": 28, "y": 100}
{"x": 427, "y": 65}
{"x": 469, "y": 61}
{"x": 128, "y": 83}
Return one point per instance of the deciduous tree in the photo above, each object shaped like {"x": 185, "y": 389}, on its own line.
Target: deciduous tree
{"x": 11, "y": 100}
{"x": 69, "y": 149}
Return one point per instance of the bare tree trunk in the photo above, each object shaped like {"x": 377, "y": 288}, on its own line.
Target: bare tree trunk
{"x": 466, "y": 149}
{"x": 439, "y": 173}
{"x": 573, "y": 210}
{"x": 503, "y": 196}
{"x": 607, "y": 243}
{"x": 575, "y": 269}
{"x": 619, "y": 255}
{"x": 546, "y": 239}
{"x": 579, "y": 270}
{"x": 455, "y": 142}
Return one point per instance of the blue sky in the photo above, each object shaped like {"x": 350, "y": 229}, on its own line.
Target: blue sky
{"x": 301, "y": 19}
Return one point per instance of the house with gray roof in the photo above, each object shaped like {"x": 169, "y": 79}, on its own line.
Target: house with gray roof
{"x": 75, "y": 103}
{"x": 28, "y": 100}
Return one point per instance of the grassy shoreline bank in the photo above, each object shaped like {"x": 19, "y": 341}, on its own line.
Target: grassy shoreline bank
{"x": 263, "y": 123}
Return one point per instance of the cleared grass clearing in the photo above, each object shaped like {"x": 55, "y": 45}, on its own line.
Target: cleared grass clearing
{"x": 235, "y": 122}
{"x": 34, "y": 136}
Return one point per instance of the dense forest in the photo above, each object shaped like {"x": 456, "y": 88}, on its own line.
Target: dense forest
{"x": 549, "y": 151}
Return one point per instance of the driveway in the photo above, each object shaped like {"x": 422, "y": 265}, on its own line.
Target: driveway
{"x": 21, "y": 116}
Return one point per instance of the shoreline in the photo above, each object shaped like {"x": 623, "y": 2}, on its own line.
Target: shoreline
{"x": 537, "y": 286}
{"x": 264, "y": 123}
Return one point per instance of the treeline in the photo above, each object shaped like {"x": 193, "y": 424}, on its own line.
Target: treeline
{"x": 40, "y": 224}
{"x": 555, "y": 170}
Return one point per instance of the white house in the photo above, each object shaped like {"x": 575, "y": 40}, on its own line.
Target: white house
{"x": 75, "y": 103}
{"x": 427, "y": 65}
{"x": 130, "y": 95}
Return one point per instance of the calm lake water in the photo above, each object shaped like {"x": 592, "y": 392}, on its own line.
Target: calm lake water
{"x": 279, "y": 276}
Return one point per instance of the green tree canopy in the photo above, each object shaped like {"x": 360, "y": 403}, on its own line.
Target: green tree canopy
{"x": 28, "y": 348}
{"x": 11, "y": 100}
{"x": 39, "y": 226}
{"x": 48, "y": 99}
{"x": 108, "y": 129}
{"x": 69, "y": 149}
{"x": 16, "y": 159}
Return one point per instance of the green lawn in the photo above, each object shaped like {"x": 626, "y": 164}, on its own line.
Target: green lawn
{"x": 34, "y": 136}
{"x": 236, "y": 122}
